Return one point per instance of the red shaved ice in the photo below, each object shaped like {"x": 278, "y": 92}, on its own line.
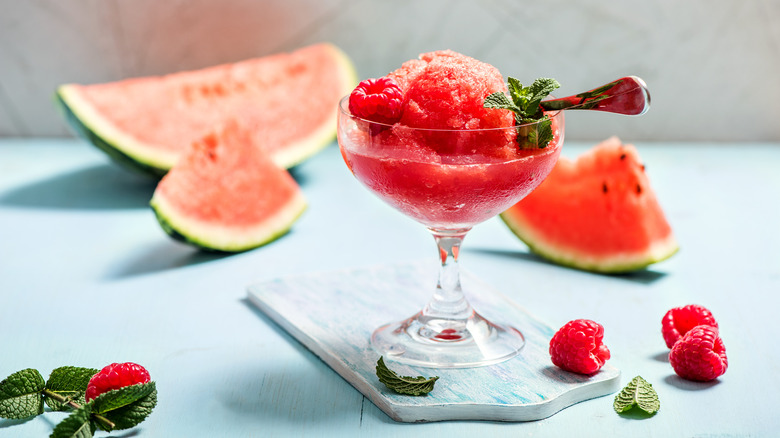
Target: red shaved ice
{"x": 446, "y": 90}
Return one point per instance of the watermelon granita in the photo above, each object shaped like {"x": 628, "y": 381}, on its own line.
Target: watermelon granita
{"x": 447, "y": 90}
{"x": 447, "y": 161}
{"x": 453, "y": 156}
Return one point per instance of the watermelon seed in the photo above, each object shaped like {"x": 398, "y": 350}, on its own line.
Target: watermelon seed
{"x": 604, "y": 187}
{"x": 622, "y": 156}
{"x": 638, "y": 189}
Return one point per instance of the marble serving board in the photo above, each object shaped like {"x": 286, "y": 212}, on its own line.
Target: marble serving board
{"x": 334, "y": 313}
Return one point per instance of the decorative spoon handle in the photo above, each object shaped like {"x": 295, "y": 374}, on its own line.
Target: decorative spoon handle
{"x": 626, "y": 95}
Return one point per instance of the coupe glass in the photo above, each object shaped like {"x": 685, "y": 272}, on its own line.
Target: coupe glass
{"x": 473, "y": 175}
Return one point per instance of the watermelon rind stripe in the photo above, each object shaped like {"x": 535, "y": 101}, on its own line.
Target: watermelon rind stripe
{"x": 90, "y": 125}
{"x": 214, "y": 237}
{"x": 611, "y": 264}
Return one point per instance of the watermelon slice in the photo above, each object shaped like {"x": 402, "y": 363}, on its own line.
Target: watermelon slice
{"x": 288, "y": 100}
{"x": 597, "y": 213}
{"x": 226, "y": 194}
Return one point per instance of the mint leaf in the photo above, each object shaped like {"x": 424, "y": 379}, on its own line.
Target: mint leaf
{"x": 128, "y": 406}
{"x": 499, "y": 100}
{"x": 20, "y": 394}
{"x": 545, "y": 132}
{"x": 533, "y": 134}
{"x": 76, "y": 425}
{"x": 402, "y": 384}
{"x": 131, "y": 415}
{"x": 70, "y": 383}
{"x": 518, "y": 93}
{"x": 637, "y": 393}
{"x": 541, "y": 88}
{"x": 116, "y": 398}
{"x": 525, "y": 102}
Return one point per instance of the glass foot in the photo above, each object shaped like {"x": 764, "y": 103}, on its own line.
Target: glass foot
{"x": 444, "y": 343}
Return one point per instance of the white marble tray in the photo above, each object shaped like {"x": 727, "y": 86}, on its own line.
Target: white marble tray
{"x": 334, "y": 313}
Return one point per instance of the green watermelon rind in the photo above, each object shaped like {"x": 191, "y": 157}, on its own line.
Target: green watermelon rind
{"x": 205, "y": 236}
{"x": 613, "y": 264}
{"x": 92, "y": 127}
{"x": 132, "y": 154}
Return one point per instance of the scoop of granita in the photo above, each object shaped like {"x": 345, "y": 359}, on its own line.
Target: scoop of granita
{"x": 447, "y": 90}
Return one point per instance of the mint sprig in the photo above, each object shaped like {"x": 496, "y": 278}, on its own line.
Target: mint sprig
{"x": 534, "y": 127}
{"x": 404, "y": 384}
{"x": 23, "y": 394}
{"x": 638, "y": 393}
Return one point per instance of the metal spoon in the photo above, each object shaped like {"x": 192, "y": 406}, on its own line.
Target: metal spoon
{"x": 626, "y": 95}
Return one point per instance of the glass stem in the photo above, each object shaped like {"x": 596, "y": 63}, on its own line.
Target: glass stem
{"x": 448, "y": 301}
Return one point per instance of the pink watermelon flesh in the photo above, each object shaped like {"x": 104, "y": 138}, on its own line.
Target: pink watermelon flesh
{"x": 597, "y": 213}
{"x": 227, "y": 194}
{"x": 283, "y": 99}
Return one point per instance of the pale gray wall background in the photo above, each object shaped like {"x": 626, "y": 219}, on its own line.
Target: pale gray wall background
{"x": 713, "y": 66}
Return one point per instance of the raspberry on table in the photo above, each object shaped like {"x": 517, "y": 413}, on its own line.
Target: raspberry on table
{"x": 116, "y": 376}
{"x": 679, "y": 320}
{"x": 700, "y": 355}
{"x": 578, "y": 347}
{"x": 377, "y": 100}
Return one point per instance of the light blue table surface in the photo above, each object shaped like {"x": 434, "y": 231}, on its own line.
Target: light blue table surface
{"x": 87, "y": 278}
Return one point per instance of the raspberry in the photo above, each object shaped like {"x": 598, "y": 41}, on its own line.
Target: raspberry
{"x": 700, "y": 355}
{"x": 115, "y": 376}
{"x": 676, "y": 323}
{"x": 577, "y": 347}
{"x": 377, "y": 100}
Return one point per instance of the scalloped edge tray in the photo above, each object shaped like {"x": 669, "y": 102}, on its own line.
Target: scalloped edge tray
{"x": 334, "y": 313}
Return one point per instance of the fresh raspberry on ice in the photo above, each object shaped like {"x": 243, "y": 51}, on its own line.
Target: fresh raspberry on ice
{"x": 677, "y": 321}
{"x": 700, "y": 355}
{"x": 378, "y": 100}
{"x": 116, "y": 376}
{"x": 578, "y": 347}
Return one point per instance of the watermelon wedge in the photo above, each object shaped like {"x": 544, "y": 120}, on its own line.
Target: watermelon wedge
{"x": 287, "y": 100}
{"x": 597, "y": 213}
{"x": 226, "y": 194}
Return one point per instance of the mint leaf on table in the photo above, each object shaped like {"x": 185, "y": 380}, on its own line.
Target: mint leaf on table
{"x": 126, "y": 407}
{"x": 20, "y": 394}
{"x": 403, "y": 384}
{"x": 79, "y": 424}
{"x": 638, "y": 393}
{"x": 534, "y": 127}
{"x": 70, "y": 383}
